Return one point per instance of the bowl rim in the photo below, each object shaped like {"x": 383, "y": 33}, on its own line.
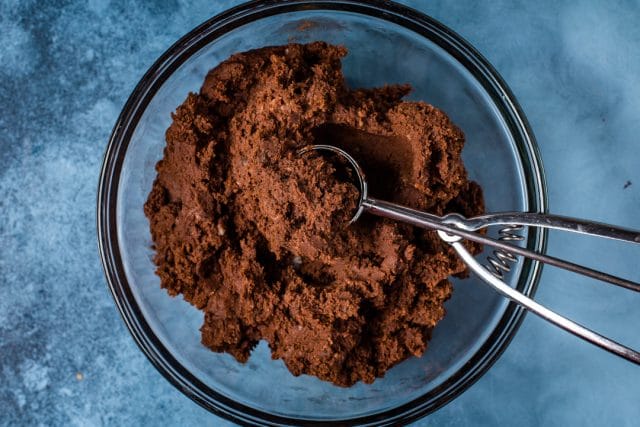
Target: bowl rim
{"x": 107, "y": 197}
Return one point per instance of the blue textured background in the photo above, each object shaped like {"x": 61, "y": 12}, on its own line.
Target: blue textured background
{"x": 66, "y": 69}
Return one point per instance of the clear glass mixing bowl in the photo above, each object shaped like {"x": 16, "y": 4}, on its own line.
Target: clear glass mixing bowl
{"x": 387, "y": 43}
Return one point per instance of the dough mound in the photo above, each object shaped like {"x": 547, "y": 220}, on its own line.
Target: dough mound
{"x": 256, "y": 235}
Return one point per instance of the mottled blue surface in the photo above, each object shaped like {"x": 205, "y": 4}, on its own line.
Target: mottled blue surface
{"x": 66, "y": 70}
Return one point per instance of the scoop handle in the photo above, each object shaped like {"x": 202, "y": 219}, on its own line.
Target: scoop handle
{"x": 458, "y": 225}
{"x": 556, "y": 222}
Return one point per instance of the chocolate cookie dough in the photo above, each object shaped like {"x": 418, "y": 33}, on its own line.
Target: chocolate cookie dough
{"x": 256, "y": 236}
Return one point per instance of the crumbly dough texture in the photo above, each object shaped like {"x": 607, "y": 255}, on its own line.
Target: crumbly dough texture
{"x": 256, "y": 236}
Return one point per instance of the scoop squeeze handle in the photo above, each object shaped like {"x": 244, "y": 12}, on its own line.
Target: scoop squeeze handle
{"x": 453, "y": 235}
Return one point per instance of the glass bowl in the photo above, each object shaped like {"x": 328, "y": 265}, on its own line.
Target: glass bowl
{"x": 387, "y": 43}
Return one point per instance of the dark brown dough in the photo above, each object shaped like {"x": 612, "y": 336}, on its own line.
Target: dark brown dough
{"x": 256, "y": 236}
